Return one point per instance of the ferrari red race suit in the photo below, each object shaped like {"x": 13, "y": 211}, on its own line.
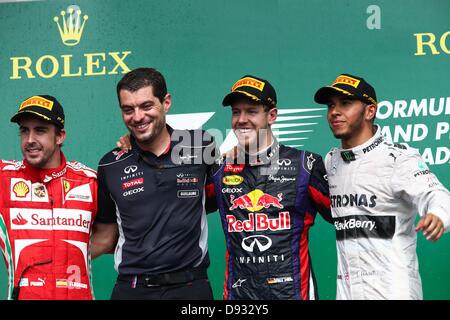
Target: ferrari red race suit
{"x": 45, "y": 224}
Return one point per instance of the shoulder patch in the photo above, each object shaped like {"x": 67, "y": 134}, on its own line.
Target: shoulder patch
{"x": 400, "y": 146}
{"x": 11, "y": 165}
{"x": 333, "y": 150}
{"x": 119, "y": 153}
{"x": 309, "y": 160}
{"x": 80, "y": 168}
{"x": 404, "y": 149}
{"x": 115, "y": 155}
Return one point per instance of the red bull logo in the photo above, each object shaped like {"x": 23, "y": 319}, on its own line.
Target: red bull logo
{"x": 259, "y": 222}
{"x": 266, "y": 200}
{"x": 242, "y": 202}
{"x": 256, "y": 200}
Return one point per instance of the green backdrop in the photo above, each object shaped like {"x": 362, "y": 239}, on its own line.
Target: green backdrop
{"x": 202, "y": 47}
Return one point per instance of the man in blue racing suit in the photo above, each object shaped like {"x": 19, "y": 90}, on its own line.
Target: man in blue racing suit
{"x": 268, "y": 195}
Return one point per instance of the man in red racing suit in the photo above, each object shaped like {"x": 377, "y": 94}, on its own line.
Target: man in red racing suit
{"x": 47, "y": 206}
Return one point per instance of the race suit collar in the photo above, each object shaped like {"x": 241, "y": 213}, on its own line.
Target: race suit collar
{"x": 45, "y": 175}
{"x": 262, "y": 157}
{"x": 349, "y": 155}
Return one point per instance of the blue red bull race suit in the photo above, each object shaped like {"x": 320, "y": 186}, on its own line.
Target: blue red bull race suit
{"x": 267, "y": 207}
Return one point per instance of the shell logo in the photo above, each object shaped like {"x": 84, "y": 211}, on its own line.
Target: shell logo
{"x": 21, "y": 189}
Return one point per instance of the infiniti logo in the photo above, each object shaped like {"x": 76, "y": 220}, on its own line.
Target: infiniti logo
{"x": 284, "y": 162}
{"x": 130, "y": 169}
{"x": 262, "y": 242}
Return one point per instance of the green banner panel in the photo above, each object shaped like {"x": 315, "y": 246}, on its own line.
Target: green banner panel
{"x": 203, "y": 46}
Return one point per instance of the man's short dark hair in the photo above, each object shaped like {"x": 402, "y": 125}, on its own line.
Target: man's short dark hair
{"x": 143, "y": 77}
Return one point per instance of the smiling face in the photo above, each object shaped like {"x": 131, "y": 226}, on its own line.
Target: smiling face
{"x": 41, "y": 142}
{"x": 251, "y": 124}
{"x": 144, "y": 114}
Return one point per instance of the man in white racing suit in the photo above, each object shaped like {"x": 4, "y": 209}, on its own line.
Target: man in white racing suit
{"x": 376, "y": 189}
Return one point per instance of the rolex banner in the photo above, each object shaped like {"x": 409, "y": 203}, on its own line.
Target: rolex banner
{"x": 78, "y": 50}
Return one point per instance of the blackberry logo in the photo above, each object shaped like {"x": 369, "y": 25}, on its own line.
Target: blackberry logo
{"x": 364, "y": 226}
{"x": 353, "y": 223}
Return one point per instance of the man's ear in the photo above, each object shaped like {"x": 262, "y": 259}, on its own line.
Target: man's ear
{"x": 371, "y": 111}
{"x": 272, "y": 115}
{"x": 167, "y": 102}
{"x": 60, "y": 136}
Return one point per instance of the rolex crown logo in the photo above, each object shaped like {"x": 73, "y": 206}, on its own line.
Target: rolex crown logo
{"x": 72, "y": 29}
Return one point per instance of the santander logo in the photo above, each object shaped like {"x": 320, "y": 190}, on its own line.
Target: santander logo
{"x": 47, "y": 219}
{"x": 19, "y": 220}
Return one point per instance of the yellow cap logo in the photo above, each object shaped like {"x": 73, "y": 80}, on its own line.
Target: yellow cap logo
{"x": 37, "y": 101}
{"x": 249, "y": 82}
{"x": 347, "y": 80}
{"x": 72, "y": 29}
